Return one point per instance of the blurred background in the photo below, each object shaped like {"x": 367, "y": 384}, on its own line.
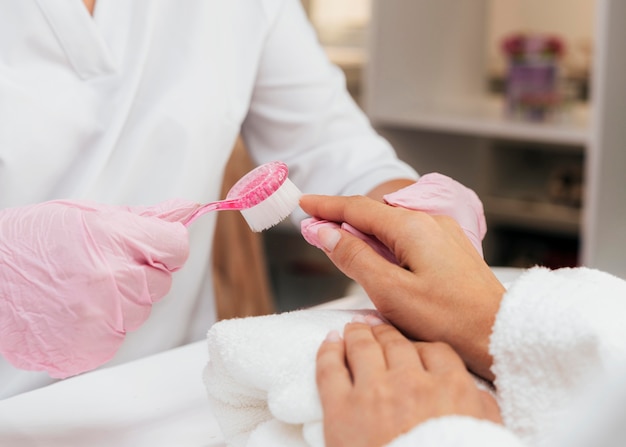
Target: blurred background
{"x": 500, "y": 96}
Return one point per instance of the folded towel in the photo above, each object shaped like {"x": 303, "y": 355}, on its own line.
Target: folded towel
{"x": 260, "y": 377}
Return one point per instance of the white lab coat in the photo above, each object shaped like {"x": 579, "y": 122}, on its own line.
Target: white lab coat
{"x": 143, "y": 102}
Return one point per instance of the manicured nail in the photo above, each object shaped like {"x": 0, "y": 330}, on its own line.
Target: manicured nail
{"x": 328, "y": 237}
{"x": 359, "y": 319}
{"x": 333, "y": 336}
{"x": 373, "y": 320}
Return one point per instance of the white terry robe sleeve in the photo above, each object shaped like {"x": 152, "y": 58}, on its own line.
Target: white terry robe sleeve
{"x": 556, "y": 333}
{"x": 301, "y": 112}
{"x": 457, "y": 431}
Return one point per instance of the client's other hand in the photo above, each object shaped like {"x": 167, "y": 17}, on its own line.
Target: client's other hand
{"x": 377, "y": 384}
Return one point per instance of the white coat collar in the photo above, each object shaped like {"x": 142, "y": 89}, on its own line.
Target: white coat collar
{"x": 79, "y": 36}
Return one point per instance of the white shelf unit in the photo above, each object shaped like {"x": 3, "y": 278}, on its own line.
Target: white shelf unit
{"x": 485, "y": 118}
{"x": 425, "y": 90}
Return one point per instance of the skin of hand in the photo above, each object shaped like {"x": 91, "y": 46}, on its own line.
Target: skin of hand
{"x": 442, "y": 290}
{"x": 388, "y": 187}
{"x": 376, "y": 385}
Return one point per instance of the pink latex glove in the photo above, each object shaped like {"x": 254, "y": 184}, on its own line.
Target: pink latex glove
{"x": 76, "y": 276}
{"x": 434, "y": 194}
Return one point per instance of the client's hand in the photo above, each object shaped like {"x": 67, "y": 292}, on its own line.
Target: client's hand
{"x": 76, "y": 276}
{"x": 441, "y": 289}
{"x": 377, "y": 385}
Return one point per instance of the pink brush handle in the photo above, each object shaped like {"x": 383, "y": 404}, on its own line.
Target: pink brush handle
{"x": 250, "y": 190}
{"x": 220, "y": 205}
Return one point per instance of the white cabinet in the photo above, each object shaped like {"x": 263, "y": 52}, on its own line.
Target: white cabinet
{"x": 425, "y": 90}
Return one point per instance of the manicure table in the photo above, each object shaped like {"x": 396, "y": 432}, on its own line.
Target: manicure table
{"x": 154, "y": 401}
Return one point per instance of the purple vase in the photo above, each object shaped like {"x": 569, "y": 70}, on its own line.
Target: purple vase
{"x": 531, "y": 89}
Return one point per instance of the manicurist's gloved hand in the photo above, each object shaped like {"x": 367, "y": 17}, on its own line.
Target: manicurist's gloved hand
{"x": 439, "y": 195}
{"x": 76, "y": 276}
{"x": 433, "y": 193}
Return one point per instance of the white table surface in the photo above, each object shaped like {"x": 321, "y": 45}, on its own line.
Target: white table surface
{"x": 154, "y": 401}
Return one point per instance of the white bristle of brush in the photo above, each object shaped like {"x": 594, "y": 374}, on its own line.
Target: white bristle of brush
{"x": 274, "y": 209}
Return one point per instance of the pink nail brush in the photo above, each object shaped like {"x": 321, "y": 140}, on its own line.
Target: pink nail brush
{"x": 265, "y": 196}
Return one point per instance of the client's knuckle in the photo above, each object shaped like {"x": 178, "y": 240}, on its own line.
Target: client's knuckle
{"x": 459, "y": 382}
{"x": 396, "y": 343}
{"x": 361, "y": 344}
{"x": 430, "y": 348}
{"x": 351, "y": 253}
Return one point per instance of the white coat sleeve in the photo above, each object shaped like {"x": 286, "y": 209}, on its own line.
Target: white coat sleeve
{"x": 301, "y": 113}
{"x": 457, "y": 431}
{"x": 557, "y": 333}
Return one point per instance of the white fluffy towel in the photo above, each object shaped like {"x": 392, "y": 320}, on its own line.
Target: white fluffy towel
{"x": 261, "y": 376}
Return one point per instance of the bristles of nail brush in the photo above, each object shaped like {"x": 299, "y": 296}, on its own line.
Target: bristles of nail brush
{"x": 274, "y": 208}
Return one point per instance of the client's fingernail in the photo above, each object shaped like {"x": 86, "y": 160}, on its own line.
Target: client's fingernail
{"x": 333, "y": 336}
{"x": 328, "y": 237}
{"x": 359, "y": 319}
{"x": 373, "y": 320}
